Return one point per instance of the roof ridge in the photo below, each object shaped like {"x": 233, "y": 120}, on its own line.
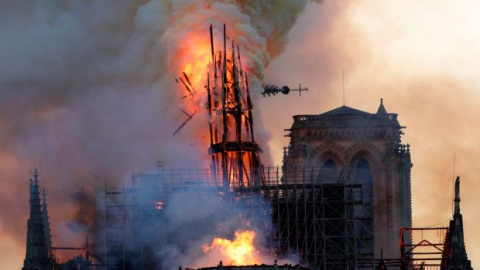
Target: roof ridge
{"x": 345, "y": 110}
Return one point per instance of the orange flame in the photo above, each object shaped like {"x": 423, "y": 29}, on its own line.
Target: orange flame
{"x": 240, "y": 251}
{"x": 194, "y": 58}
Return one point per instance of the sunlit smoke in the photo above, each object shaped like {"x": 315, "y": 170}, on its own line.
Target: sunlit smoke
{"x": 410, "y": 55}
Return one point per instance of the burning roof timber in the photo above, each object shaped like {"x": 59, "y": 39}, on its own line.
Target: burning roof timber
{"x": 253, "y": 267}
{"x": 256, "y": 267}
{"x": 234, "y": 151}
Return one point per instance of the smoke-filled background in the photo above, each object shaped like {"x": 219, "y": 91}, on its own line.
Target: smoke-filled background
{"x": 87, "y": 94}
{"x": 422, "y": 58}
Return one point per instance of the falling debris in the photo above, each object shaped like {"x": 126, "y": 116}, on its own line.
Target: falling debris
{"x": 188, "y": 85}
{"x": 189, "y": 117}
{"x": 273, "y": 90}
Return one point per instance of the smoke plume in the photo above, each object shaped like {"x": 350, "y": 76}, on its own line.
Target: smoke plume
{"x": 420, "y": 58}
{"x": 88, "y": 96}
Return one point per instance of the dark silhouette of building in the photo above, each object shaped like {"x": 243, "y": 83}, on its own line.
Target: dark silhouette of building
{"x": 455, "y": 255}
{"x": 355, "y": 147}
{"x": 40, "y": 255}
{"x": 46, "y": 223}
{"x": 37, "y": 255}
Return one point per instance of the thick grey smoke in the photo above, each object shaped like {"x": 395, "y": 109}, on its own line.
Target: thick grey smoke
{"x": 196, "y": 216}
{"x": 87, "y": 93}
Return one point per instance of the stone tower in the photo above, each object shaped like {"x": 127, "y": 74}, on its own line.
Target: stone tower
{"x": 36, "y": 257}
{"x": 455, "y": 254}
{"x": 353, "y": 146}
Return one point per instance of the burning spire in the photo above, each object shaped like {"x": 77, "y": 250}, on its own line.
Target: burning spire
{"x": 235, "y": 154}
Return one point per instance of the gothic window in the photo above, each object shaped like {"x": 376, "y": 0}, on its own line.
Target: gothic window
{"x": 328, "y": 172}
{"x": 363, "y": 176}
{"x": 364, "y": 212}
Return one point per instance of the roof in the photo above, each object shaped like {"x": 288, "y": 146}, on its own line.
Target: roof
{"x": 381, "y": 108}
{"x": 344, "y": 110}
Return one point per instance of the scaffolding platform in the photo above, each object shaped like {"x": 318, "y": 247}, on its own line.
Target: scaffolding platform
{"x": 323, "y": 220}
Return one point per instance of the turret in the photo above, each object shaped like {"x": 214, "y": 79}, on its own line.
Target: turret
{"x": 36, "y": 257}
{"x": 455, "y": 254}
{"x": 381, "y": 108}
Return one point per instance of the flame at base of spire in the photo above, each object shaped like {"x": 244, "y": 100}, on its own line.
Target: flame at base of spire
{"x": 239, "y": 251}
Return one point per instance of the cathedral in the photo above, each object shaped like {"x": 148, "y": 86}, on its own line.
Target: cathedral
{"x": 39, "y": 250}
{"x": 340, "y": 202}
{"x": 354, "y": 146}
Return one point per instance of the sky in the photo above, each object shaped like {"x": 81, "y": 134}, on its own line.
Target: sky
{"x": 80, "y": 83}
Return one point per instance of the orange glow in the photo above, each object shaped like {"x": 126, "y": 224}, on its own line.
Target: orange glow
{"x": 159, "y": 205}
{"x": 240, "y": 251}
{"x": 194, "y": 58}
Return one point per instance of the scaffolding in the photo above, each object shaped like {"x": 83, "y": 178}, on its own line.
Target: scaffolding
{"x": 133, "y": 215}
{"x": 322, "y": 217}
{"x": 325, "y": 222}
{"x": 428, "y": 250}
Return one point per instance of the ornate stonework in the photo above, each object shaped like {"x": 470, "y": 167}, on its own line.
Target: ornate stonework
{"x": 363, "y": 148}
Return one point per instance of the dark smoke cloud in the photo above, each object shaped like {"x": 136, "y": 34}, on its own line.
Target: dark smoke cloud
{"x": 87, "y": 96}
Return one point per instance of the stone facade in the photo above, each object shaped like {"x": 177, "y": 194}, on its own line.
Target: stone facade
{"x": 352, "y": 146}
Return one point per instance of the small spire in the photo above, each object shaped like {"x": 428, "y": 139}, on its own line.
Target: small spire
{"x": 35, "y": 175}
{"x": 381, "y": 264}
{"x": 36, "y": 256}
{"x": 46, "y": 222}
{"x": 381, "y": 108}
{"x": 457, "y": 196}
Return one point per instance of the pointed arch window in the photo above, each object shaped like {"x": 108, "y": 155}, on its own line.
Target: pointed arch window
{"x": 328, "y": 171}
{"x": 363, "y": 176}
{"x": 364, "y": 228}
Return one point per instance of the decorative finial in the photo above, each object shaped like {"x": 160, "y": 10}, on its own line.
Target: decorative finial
{"x": 35, "y": 176}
